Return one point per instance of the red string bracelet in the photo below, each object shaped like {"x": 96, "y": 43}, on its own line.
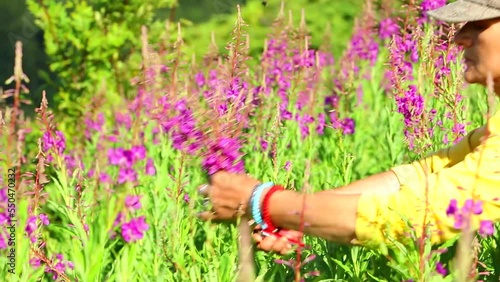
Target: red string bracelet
{"x": 266, "y": 215}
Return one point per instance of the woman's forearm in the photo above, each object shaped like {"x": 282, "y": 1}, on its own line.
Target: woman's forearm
{"x": 329, "y": 214}
{"x": 385, "y": 182}
{"x": 326, "y": 215}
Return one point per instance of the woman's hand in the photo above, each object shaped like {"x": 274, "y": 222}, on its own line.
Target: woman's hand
{"x": 273, "y": 243}
{"x": 229, "y": 195}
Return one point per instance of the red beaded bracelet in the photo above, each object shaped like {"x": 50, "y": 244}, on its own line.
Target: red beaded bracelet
{"x": 266, "y": 215}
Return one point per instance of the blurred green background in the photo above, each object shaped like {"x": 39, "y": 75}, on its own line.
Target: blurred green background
{"x": 56, "y": 57}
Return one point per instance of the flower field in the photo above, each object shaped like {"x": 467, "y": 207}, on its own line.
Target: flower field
{"x": 118, "y": 200}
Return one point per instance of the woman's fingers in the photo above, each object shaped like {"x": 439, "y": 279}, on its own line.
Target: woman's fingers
{"x": 272, "y": 243}
{"x": 257, "y": 238}
{"x": 291, "y": 234}
{"x": 267, "y": 243}
{"x": 282, "y": 246}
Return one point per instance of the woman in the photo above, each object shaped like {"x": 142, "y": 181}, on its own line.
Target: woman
{"x": 376, "y": 210}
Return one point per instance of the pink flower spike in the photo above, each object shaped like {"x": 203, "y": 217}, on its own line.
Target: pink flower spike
{"x": 486, "y": 228}
{"x": 452, "y": 207}
{"x": 289, "y": 263}
{"x": 150, "y": 167}
{"x": 441, "y": 270}
{"x": 44, "y": 219}
{"x": 477, "y": 207}
{"x": 459, "y": 221}
{"x": 309, "y": 259}
{"x": 35, "y": 262}
{"x": 468, "y": 205}
{"x": 133, "y": 202}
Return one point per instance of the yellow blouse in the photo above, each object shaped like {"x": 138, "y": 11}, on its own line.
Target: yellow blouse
{"x": 468, "y": 170}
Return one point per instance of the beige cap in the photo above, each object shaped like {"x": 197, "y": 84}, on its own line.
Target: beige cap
{"x": 467, "y": 11}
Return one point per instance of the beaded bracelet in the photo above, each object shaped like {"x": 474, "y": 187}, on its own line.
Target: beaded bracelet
{"x": 255, "y": 202}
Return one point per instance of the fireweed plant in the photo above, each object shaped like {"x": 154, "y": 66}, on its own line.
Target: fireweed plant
{"x": 119, "y": 202}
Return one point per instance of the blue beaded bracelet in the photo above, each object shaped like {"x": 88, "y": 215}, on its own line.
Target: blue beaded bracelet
{"x": 255, "y": 203}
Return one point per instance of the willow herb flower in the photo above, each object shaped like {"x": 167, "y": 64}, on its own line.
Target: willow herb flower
{"x": 150, "y": 168}
{"x": 56, "y": 143}
{"x": 427, "y": 5}
{"x": 59, "y": 266}
{"x": 94, "y": 125}
{"x": 133, "y": 230}
{"x": 182, "y": 129}
{"x": 30, "y": 228}
{"x": 486, "y": 228}
{"x": 133, "y": 202}
{"x": 126, "y": 174}
{"x": 462, "y": 216}
{"x": 35, "y": 262}
{"x": 223, "y": 155}
{"x": 387, "y": 28}
{"x": 44, "y": 219}
{"x": 441, "y": 270}
{"x": 3, "y": 241}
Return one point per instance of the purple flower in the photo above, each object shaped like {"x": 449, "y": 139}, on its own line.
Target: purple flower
{"x": 223, "y": 154}
{"x": 460, "y": 221}
{"x": 127, "y": 175}
{"x": 459, "y": 129}
{"x": 120, "y": 157}
{"x": 134, "y": 230}
{"x": 388, "y": 27}
{"x": 150, "y": 167}
{"x": 44, "y": 219}
{"x": 441, "y": 270}
{"x": 94, "y": 126}
{"x": 428, "y": 5}
{"x": 3, "y": 193}
{"x": 119, "y": 219}
{"x": 476, "y": 207}
{"x": 104, "y": 177}
{"x": 57, "y": 143}
{"x": 123, "y": 119}
{"x": 287, "y": 166}
{"x": 133, "y": 202}
{"x": 4, "y": 218}
{"x": 200, "y": 79}
{"x": 35, "y": 262}
{"x": 486, "y": 228}
{"x": 138, "y": 153}
{"x": 60, "y": 267}
{"x": 30, "y": 225}
{"x": 3, "y": 243}
{"x": 348, "y": 126}
{"x": 452, "y": 208}
{"x": 320, "y": 127}
{"x": 186, "y": 198}
{"x": 182, "y": 129}
{"x": 263, "y": 144}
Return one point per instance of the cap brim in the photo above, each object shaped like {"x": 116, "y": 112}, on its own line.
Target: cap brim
{"x": 464, "y": 11}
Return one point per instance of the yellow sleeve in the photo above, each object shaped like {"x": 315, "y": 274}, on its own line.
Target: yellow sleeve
{"x": 443, "y": 158}
{"x": 382, "y": 218}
